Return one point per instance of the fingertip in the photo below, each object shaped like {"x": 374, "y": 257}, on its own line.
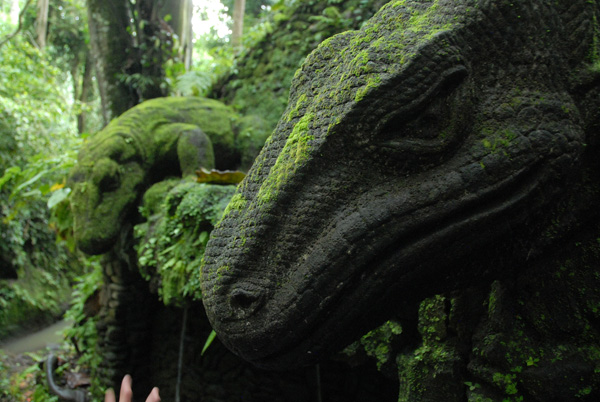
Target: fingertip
{"x": 126, "y": 393}
{"x": 154, "y": 395}
{"x": 109, "y": 395}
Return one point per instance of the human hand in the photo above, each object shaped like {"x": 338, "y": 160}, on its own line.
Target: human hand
{"x": 126, "y": 393}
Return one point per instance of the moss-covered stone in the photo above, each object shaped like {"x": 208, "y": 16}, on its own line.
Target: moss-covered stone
{"x": 180, "y": 216}
{"x": 157, "y": 139}
{"x": 152, "y": 201}
{"x": 534, "y": 338}
{"x": 540, "y": 339}
{"x": 434, "y": 370}
{"x": 252, "y": 131}
{"x": 260, "y": 85}
{"x": 408, "y": 150}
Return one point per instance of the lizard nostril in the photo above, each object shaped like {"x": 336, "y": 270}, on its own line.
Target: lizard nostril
{"x": 244, "y": 301}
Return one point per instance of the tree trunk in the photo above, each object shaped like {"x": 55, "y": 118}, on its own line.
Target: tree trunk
{"x": 84, "y": 94}
{"x": 187, "y": 35}
{"x": 180, "y": 12}
{"x": 239, "y": 7}
{"x": 113, "y": 54}
{"x": 156, "y": 44}
{"x": 41, "y": 25}
{"x": 130, "y": 45}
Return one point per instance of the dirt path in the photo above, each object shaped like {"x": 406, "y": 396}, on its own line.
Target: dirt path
{"x": 48, "y": 336}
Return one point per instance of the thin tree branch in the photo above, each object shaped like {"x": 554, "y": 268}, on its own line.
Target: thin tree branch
{"x": 21, "y": 14}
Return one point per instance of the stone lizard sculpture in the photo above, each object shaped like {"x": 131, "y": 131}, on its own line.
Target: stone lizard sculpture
{"x": 156, "y": 139}
{"x": 439, "y": 133}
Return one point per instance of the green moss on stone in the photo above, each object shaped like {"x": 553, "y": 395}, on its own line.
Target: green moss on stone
{"x": 172, "y": 243}
{"x": 294, "y": 153}
{"x": 378, "y": 343}
{"x": 300, "y": 103}
{"x": 160, "y": 136}
{"x": 373, "y": 82}
{"x": 155, "y": 196}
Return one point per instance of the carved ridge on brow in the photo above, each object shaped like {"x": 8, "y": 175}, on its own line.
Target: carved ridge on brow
{"x": 406, "y": 92}
{"x": 320, "y": 99}
{"x": 576, "y": 18}
{"x": 134, "y": 141}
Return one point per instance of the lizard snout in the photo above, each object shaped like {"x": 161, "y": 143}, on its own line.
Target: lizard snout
{"x": 244, "y": 302}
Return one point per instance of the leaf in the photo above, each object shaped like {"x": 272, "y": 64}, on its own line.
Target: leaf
{"x": 219, "y": 176}
{"x": 209, "y": 341}
{"x": 32, "y": 193}
{"x": 169, "y": 263}
{"x": 28, "y": 182}
{"x": 9, "y": 174}
{"x": 57, "y": 186}
{"x": 58, "y": 196}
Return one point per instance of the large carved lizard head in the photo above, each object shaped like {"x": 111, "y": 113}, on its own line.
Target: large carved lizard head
{"x": 434, "y": 131}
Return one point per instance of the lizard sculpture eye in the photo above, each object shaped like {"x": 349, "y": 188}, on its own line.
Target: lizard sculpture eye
{"x": 110, "y": 182}
{"x": 106, "y": 175}
{"x": 422, "y": 135}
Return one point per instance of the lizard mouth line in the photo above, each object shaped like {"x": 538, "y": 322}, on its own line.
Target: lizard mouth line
{"x": 471, "y": 209}
{"x": 486, "y": 206}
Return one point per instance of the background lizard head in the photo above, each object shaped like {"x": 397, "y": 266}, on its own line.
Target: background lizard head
{"x": 409, "y": 149}
{"x": 159, "y": 138}
{"x": 106, "y": 183}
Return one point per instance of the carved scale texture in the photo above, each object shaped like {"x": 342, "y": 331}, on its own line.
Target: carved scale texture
{"x": 407, "y": 146}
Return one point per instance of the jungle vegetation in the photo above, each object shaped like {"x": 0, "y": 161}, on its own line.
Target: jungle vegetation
{"x": 68, "y": 68}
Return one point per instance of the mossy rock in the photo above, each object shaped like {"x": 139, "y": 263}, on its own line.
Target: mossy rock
{"x": 171, "y": 243}
{"x": 260, "y": 85}
{"x": 158, "y": 139}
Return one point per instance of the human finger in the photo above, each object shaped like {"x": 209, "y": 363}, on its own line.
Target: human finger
{"x": 154, "y": 396}
{"x": 109, "y": 396}
{"x": 126, "y": 392}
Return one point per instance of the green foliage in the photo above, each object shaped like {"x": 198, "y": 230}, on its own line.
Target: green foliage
{"x": 253, "y": 7}
{"x": 259, "y": 80}
{"x": 173, "y": 239}
{"x": 83, "y": 333}
{"x": 37, "y": 296}
{"x": 26, "y": 385}
{"x": 378, "y": 343}
{"x": 213, "y": 57}
{"x": 331, "y": 16}
{"x": 4, "y": 380}
{"x": 41, "y": 181}
{"x": 193, "y": 83}
{"x": 24, "y": 380}
{"x": 68, "y": 36}
{"x": 209, "y": 341}
{"x": 37, "y": 147}
{"x": 28, "y": 241}
{"x": 34, "y": 106}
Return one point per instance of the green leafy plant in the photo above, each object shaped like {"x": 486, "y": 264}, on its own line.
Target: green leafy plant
{"x": 172, "y": 241}
{"x": 193, "y": 83}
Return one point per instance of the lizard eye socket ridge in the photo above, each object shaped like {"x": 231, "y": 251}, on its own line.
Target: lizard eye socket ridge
{"x": 107, "y": 175}
{"x": 420, "y": 136}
